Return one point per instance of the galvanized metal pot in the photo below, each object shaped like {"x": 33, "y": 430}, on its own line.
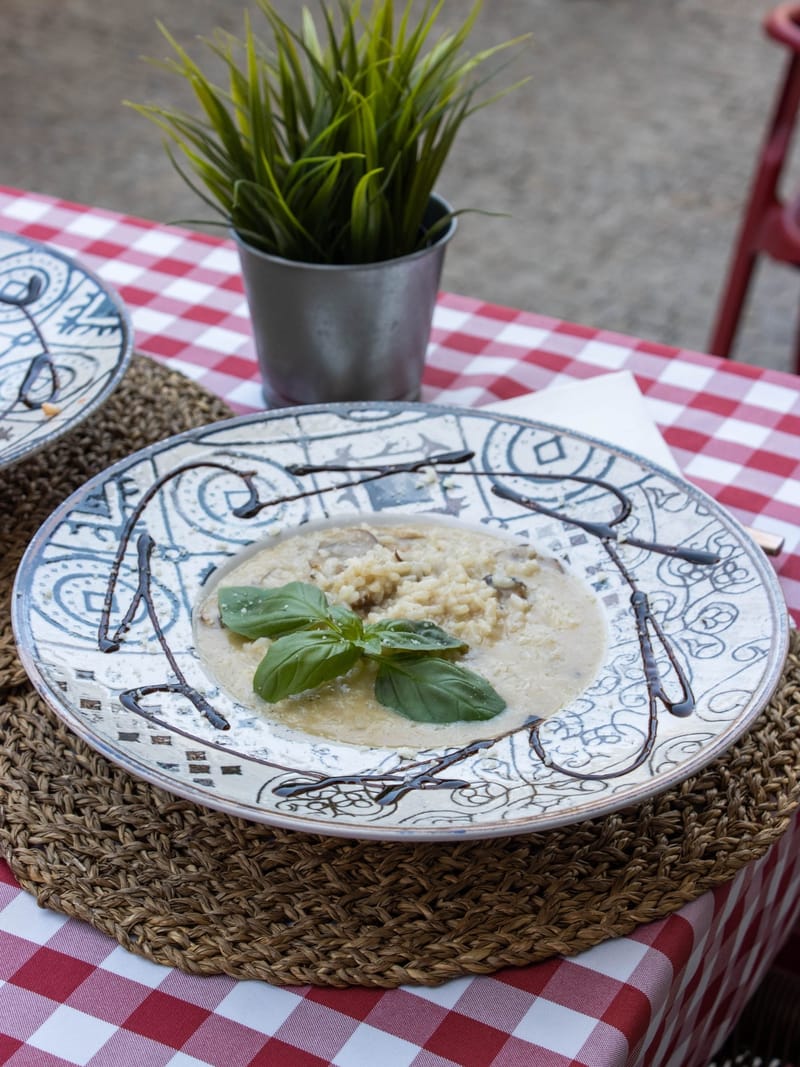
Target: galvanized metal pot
{"x": 339, "y": 333}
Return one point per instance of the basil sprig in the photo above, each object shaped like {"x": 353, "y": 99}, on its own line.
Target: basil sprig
{"x": 314, "y": 641}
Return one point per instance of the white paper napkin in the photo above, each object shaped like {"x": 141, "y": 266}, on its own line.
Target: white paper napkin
{"x": 609, "y": 407}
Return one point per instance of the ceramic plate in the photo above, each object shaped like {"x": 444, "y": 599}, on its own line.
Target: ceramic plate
{"x": 65, "y": 342}
{"x": 697, "y": 628}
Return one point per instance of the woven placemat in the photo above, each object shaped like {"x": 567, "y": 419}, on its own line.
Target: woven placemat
{"x": 209, "y": 893}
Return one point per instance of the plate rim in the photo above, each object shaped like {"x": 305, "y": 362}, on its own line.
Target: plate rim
{"x": 120, "y": 367}
{"x": 571, "y": 816}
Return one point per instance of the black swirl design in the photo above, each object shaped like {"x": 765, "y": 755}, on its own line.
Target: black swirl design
{"x": 424, "y": 775}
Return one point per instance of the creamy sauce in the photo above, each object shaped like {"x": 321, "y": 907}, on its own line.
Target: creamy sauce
{"x": 536, "y": 633}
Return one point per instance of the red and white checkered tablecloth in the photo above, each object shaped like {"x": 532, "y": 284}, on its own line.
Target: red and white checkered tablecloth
{"x": 664, "y": 997}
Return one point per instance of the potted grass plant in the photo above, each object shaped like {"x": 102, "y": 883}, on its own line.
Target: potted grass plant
{"x": 321, "y": 152}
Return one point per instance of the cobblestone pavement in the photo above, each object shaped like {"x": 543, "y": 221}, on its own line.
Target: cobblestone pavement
{"x": 620, "y": 168}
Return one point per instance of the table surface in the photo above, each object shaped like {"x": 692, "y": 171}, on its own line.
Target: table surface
{"x": 70, "y": 995}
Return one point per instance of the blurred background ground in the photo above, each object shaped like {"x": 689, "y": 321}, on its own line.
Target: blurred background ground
{"x": 622, "y": 166}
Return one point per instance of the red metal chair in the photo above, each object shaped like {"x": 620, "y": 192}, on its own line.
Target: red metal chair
{"x": 770, "y": 226}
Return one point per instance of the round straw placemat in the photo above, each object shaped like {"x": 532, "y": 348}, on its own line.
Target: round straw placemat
{"x": 209, "y": 893}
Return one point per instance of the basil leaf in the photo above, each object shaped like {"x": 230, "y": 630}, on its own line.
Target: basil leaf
{"x": 254, "y": 612}
{"x": 410, "y": 635}
{"x": 301, "y": 661}
{"x": 370, "y": 646}
{"x": 430, "y": 689}
{"x": 315, "y": 641}
{"x": 346, "y": 622}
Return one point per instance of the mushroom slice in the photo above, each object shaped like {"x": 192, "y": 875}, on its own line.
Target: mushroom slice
{"x": 349, "y": 543}
{"x": 506, "y": 584}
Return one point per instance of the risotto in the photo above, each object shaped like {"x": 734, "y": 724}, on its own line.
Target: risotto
{"x": 535, "y": 632}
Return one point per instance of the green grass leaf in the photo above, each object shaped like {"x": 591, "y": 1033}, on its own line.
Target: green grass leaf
{"x": 378, "y": 92}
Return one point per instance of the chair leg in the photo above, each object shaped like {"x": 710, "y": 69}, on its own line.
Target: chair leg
{"x": 796, "y": 367}
{"x": 733, "y": 298}
{"x": 762, "y": 201}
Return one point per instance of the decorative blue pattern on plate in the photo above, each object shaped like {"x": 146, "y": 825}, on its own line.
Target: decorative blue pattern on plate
{"x": 103, "y": 617}
{"x": 65, "y": 343}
